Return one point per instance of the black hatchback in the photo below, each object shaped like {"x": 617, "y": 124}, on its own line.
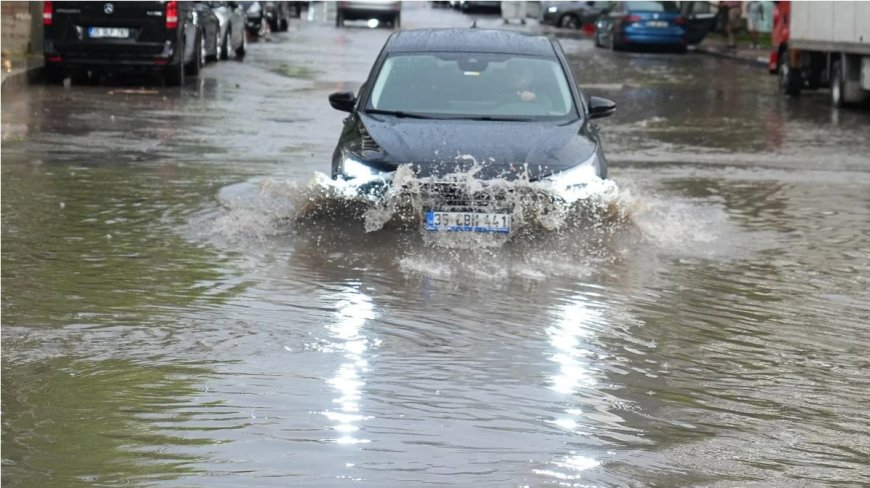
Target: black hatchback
{"x": 113, "y": 36}
{"x": 499, "y": 105}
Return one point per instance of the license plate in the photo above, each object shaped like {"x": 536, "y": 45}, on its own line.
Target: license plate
{"x": 467, "y": 222}
{"x": 110, "y": 32}
{"x": 656, "y": 23}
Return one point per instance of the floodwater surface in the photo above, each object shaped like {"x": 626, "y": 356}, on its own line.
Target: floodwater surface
{"x": 187, "y": 301}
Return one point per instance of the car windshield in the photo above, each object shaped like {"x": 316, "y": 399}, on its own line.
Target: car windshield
{"x": 652, "y": 7}
{"x": 472, "y": 85}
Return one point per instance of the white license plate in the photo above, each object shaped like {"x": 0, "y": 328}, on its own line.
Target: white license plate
{"x": 110, "y": 32}
{"x": 656, "y": 23}
{"x": 467, "y": 222}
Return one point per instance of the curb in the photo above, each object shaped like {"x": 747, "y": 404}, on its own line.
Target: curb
{"x": 21, "y": 77}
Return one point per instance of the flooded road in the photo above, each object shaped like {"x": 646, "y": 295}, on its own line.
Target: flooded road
{"x": 184, "y": 304}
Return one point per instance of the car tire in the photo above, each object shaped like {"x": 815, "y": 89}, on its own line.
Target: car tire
{"x": 569, "y": 21}
{"x": 838, "y": 87}
{"x": 789, "y": 78}
{"x": 217, "y": 48}
{"x": 195, "y": 66}
{"x": 243, "y": 48}
{"x": 225, "y": 46}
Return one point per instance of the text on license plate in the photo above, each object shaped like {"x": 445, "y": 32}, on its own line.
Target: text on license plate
{"x": 657, "y": 23}
{"x": 101, "y": 32}
{"x": 467, "y": 222}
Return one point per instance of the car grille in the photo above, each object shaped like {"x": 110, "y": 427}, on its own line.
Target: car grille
{"x": 458, "y": 197}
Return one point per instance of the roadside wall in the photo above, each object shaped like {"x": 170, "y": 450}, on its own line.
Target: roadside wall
{"x": 21, "y": 28}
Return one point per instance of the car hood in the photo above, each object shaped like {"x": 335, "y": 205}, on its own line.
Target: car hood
{"x": 497, "y": 149}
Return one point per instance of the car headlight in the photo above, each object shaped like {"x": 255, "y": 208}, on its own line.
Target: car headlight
{"x": 569, "y": 184}
{"x": 553, "y": 9}
{"x": 359, "y": 172}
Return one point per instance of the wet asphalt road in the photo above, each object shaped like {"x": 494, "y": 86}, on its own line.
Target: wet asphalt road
{"x": 185, "y": 304}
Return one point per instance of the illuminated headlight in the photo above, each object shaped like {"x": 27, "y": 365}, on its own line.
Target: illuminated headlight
{"x": 553, "y": 9}
{"x": 254, "y": 9}
{"x": 576, "y": 179}
{"x": 355, "y": 170}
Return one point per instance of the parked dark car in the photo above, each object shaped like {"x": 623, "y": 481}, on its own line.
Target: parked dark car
{"x": 572, "y": 15}
{"x": 210, "y": 26}
{"x": 231, "y": 17}
{"x": 264, "y": 17}
{"x": 122, "y": 36}
{"x": 385, "y": 12}
{"x": 635, "y": 24}
{"x": 446, "y": 101}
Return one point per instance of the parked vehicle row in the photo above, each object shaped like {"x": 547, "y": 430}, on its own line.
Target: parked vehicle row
{"x": 175, "y": 39}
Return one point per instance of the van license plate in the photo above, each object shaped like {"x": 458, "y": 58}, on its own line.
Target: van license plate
{"x": 467, "y": 222}
{"x": 108, "y": 32}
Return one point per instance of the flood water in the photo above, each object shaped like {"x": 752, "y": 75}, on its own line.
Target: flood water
{"x": 184, "y": 303}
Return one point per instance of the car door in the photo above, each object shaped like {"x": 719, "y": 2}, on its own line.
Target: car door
{"x": 701, "y": 17}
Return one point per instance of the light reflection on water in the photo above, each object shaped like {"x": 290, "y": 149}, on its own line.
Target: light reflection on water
{"x": 569, "y": 338}
{"x": 353, "y": 310}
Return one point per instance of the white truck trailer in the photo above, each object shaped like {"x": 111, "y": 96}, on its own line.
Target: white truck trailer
{"x": 829, "y": 46}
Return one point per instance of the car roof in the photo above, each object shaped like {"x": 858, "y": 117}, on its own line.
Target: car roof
{"x": 471, "y": 39}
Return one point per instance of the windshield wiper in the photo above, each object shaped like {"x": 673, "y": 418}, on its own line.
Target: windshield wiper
{"x": 495, "y": 118}
{"x": 398, "y": 113}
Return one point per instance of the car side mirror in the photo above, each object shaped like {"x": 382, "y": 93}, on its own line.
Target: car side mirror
{"x": 601, "y": 107}
{"x": 343, "y": 101}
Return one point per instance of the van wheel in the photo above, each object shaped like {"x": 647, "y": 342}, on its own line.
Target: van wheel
{"x": 53, "y": 74}
{"x": 174, "y": 75}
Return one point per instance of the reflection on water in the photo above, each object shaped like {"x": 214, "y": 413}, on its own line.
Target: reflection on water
{"x": 569, "y": 338}
{"x": 353, "y": 310}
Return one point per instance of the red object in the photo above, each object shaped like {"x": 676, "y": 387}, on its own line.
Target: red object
{"x": 630, "y": 19}
{"x": 680, "y": 21}
{"x": 171, "y": 15}
{"x": 47, "y": 9}
{"x": 781, "y": 17}
{"x": 54, "y": 59}
{"x": 161, "y": 61}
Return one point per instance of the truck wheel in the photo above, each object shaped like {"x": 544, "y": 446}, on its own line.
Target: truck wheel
{"x": 837, "y": 85}
{"x": 789, "y": 79}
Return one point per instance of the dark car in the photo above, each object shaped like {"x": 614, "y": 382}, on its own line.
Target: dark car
{"x": 119, "y": 36}
{"x": 441, "y": 102}
{"x": 231, "y": 18}
{"x": 211, "y": 30}
{"x": 572, "y": 15}
{"x": 644, "y": 24}
{"x": 385, "y": 12}
{"x": 264, "y": 17}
